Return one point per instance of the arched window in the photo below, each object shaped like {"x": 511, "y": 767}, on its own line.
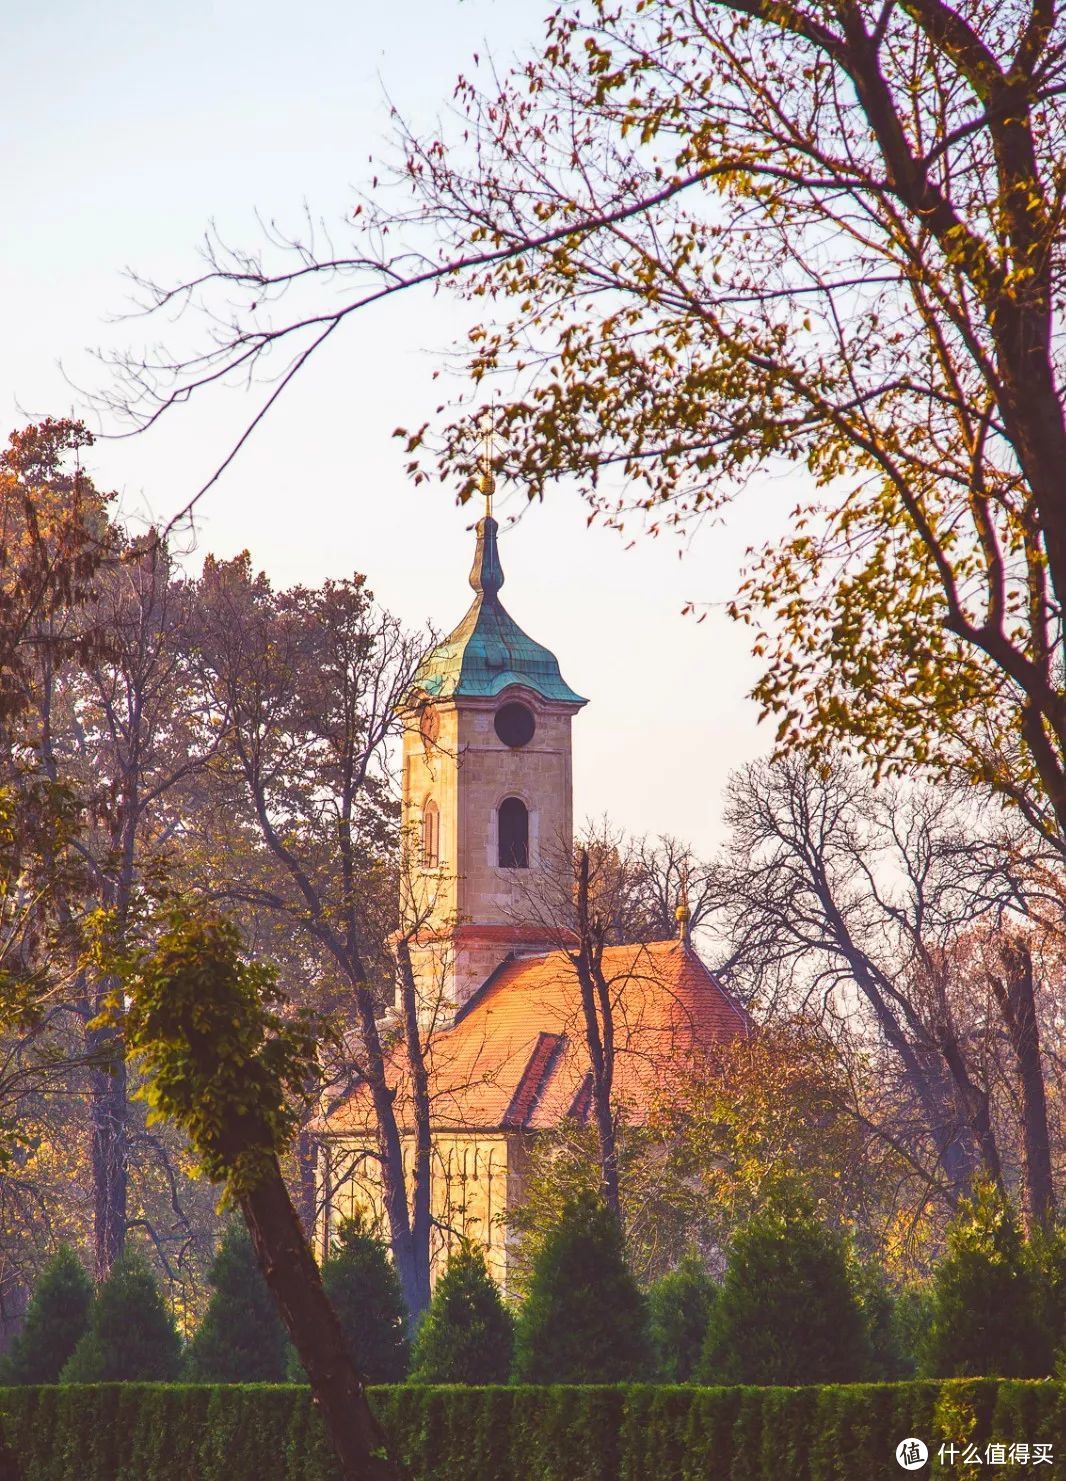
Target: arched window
{"x": 430, "y": 836}
{"x": 514, "y": 834}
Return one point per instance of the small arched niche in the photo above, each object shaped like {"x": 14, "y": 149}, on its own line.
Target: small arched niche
{"x": 513, "y": 834}
{"x": 430, "y": 835}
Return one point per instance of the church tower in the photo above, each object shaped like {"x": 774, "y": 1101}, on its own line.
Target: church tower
{"x": 487, "y": 804}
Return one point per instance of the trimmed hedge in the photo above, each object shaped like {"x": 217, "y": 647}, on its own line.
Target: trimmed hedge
{"x": 637, "y": 1432}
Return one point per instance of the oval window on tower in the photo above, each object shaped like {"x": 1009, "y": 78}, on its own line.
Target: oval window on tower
{"x": 515, "y": 724}
{"x": 513, "y": 824}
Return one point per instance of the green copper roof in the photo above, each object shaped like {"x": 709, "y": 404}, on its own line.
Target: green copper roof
{"x": 488, "y": 650}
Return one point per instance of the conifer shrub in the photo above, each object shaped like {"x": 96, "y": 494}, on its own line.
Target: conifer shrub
{"x": 1048, "y": 1250}
{"x": 56, "y": 1319}
{"x": 583, "y": 1319}
{"x": 909, "y": 1323}
{"x": 130, "y": 1335}
{"x": 895, "y": 1322}
{"x": 679, "y": 1309}
{"x": 988, "y": 1317}
{"x": 364, "y": 1290}
{"x": 362, "y": 1284}
{"x": 241, "y": 1338}
{"x": 467, "y": 1334}
{"x": 787, "y": 1312}
{"x": 843, "y": 1432}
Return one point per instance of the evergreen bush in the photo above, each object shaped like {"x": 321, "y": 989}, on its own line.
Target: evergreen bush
{"x": 1048, "y": 1250}
{"x": 583, "y": 1320}
{"x": 895, "y": 1322}
{"x": 467, "y": 1335}
{"x": 787, "y": 1312}
{"x": 911, "y": 1316}
{"x": 843, "y": 1432}
{"x": 130, "y": 1334}
{"x": 241, "y": 1338}
{"x": 361, "y": 1282}
{"x": 987, "y": 1312}
{"x": 55, "y": 1322}
{"x": 679, "y": 1309}
{"x": 364, "y": 1290}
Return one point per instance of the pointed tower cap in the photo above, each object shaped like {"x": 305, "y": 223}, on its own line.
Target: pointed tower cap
{"x": 488, "y": 651}
{"x": 486, "y": 574}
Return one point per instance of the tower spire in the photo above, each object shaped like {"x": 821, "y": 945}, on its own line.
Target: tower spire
{"x": 486, "y": 478}
{"x": 486, "y": 574}
{"x": 488, "y": 651}
{"x": 683, "y": 915}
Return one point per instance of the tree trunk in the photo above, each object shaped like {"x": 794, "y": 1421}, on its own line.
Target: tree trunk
{"x": 109, "y": 1150}
{"x": 975, "y": 1102}
{"x": 931, "y": 1085}
{"x": 292, "y": 1276}
{"x": 1015, "y": 996}
{"x": 307, "y": 1168}
{"x": 421, "y": 1211}
{"x": 599, "y": 1038}
{"x": 390, "y": 1148}
{"x": 956, "y": 1154}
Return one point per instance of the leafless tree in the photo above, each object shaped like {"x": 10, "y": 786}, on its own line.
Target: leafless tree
{"x": 869, "y": 904}
{"x": 640, "y": 882}
{"x": 608, "y": 892}
{"x": 306, "y": 686}
{"x": 121, "y": 727}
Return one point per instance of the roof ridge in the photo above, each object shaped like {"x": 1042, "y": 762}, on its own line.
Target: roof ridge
{"x": 480, "y": 992}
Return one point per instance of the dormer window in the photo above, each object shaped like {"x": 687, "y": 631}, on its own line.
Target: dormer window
{"x": 513, "y": 832}
{"x": 430, "y": 835}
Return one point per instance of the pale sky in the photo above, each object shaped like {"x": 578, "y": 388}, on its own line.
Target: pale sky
{"x": 127, "y": 129}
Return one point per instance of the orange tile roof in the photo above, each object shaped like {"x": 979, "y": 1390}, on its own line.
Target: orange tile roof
{"x": 516, "y": 1057}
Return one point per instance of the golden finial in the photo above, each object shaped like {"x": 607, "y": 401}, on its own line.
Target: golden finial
{"x": 486, "y": 478}
{"x": 683, "y": 915}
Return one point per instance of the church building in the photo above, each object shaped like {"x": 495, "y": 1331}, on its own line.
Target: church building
{"x": 488, "y": 815}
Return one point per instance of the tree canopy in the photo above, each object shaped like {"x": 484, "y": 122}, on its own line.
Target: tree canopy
{"x": 723, "y": 236}
{"x": 230, "y": 1069}
{"x": 130, "y": 1335}
{"x": 988, "y": 1312}
{"x": 240, "y": 1338}
{"x": 679, "y": 1309}
{"x": 362, "y": 1284}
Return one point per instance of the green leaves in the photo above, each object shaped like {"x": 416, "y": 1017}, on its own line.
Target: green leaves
{"x": 130, "y": 1334}
{"x": 221, "y": 1053}
{"x": 240, "y": 1338}
{"x": 787, "y": 1312}
{"x": 679, "y": 1307}
{"x": 364, "y": 1290}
